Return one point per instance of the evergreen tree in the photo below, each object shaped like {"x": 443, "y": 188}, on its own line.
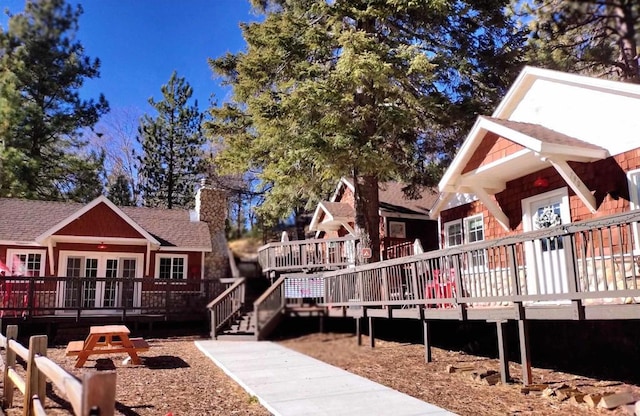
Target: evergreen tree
{"x": 120, "y": 192}
{"x": 42, "y": 67}
{"x": 595, "y": 37}
{"x": 359, "y": 88}
{"x": 171, "y": 142}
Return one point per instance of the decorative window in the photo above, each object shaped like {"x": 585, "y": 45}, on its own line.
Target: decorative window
{"x": 171, "y": 267}
{"x": 397, "y": 229}
{"x": 26, "y": 262}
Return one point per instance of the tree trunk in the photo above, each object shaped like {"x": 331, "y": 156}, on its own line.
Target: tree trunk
{"x": 367, "y": 225}
{"x": 628, "y": 48}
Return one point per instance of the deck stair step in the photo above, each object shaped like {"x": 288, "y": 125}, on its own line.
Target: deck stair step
{"x": 242, "y": 327}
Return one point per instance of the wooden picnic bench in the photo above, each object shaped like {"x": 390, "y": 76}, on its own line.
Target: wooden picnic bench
{"x": 107, "y": 339}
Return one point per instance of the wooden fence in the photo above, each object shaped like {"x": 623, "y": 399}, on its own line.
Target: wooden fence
{"x": 94, "y": 395}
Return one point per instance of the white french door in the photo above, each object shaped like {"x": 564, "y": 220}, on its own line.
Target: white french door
{"x": 92, "y": 288}
{"x": 546, "y": 261}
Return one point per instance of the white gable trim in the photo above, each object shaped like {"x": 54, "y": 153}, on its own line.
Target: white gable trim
{"x": 42, "y": 238}
{"x": 343, "y": 182}
{"x": 530, "y": 74}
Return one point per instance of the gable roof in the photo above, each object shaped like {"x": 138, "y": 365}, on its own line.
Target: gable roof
{"x": 29, "y": 222}
{"x": 551, "y": 118}
{"x": 392, "y": 197}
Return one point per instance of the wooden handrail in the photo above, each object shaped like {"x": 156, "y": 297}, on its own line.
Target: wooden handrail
{"x": 269, "y": 306}
{"x": 97, "y": 390}
{"x": 226, "y": 306}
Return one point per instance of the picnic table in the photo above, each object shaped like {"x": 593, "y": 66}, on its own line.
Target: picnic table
{"x": 107, "y": 339}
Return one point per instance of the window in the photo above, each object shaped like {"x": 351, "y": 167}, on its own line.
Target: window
{"x": 171, "y": 267}
{"x": 634, "y": 199}
{"x": 466, "y": 231}
{"x": 397, "y": 229}
{"x": 26, "y": 262}
{"x": 453, "y": 233}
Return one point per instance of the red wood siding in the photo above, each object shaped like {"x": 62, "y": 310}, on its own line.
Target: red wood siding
{"x": 492, "y": 148}
{"x": 100, "y": 221}
{"x": 605, "y": 178}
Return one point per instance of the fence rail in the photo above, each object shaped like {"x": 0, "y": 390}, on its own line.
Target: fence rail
{"x": 308, "y": 254}
{"x": 586, "y": 263}
{"x": 94, "y": 395}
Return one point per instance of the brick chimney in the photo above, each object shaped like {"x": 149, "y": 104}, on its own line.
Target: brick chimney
{"x": 211, "y": 207}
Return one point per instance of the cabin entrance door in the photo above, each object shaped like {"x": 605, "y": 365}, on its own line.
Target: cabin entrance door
{"x": 546, "y": 270}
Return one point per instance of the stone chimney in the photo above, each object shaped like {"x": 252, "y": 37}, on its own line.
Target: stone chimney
{"x": 211, "y": 207}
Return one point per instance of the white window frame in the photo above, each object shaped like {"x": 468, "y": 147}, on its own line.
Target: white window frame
{"x": 633, "y": 179}
{"x": 464, "y": 229}
{"x": 185, "y": 270}
{"x": 447, "y": 225}
{"x": 18, "y": 251}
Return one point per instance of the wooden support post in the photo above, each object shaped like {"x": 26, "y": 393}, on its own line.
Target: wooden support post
{"x": 427, "y": 341}
{"x": 372, "y": 338}
{"x": 358, "y": 331}
{"x": 525, "y": 355}
{"x": 99, "y": 393}
{"x": 503, "y": 352}
{"x": 35, "y": 384}
{"x": 9, "y": 362}
{"x": 321, "y": 323}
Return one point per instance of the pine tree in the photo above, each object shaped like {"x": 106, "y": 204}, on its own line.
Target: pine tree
{"x": 368, "y": 90}
{"x": 171, "y": 142}
{"x": 120, "y": 192}
{"x": 595, "y": 37}
{"x": 42, "y": 67}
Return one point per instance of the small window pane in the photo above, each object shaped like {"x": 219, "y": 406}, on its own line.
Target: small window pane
{"x": 454, "y": 234}
{"x": 165, "y": 268}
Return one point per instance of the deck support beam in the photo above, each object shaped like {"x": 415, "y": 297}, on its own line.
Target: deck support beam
{"x": 427, "y": 341}
{"x": 525, "y": 354}
{"x": 503, "y": 352}
{"x": 372, "y": 338}
{"x": 358, "y": 331}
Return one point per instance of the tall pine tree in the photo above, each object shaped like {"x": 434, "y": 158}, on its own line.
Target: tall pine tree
{"x": 171, "y": 142}
{"x": 42, "y": 67}
{"x": 596, "y": 37}
{"x": 371, "y": 90}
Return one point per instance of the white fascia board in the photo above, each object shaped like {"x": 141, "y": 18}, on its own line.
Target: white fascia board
{"x": 316, "y": 217}
{"x": 442, "y": 201}
{"x": 190, "y": 249}
{"x": 469, "y": 145}
{"x": 393, "y": 214}
{"x": 93, "y": 240}
{"x": 20, "y": 243}
{"x": 343, "y": 182}
{"x": 577, "y": 154}
{"x": 530, "y": 74}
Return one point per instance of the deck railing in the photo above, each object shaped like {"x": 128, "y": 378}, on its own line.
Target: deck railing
{"x": 307, "y": 254}
{"x": 227, "y": 306}
{"x": 28, "y": 297}
{"x": 588, "y": 262}
{"x": 268, "y": 308}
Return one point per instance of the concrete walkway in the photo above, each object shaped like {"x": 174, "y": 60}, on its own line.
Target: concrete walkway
{"x": 288, "y": 383}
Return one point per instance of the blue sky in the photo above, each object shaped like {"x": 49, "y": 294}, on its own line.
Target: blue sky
{"x": 140, "y": 42}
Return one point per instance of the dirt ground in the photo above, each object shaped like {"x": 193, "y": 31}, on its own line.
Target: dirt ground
{"x": 176, "y": 377}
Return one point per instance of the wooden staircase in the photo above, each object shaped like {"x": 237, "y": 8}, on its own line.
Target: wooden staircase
{"x": 242, "y": 328}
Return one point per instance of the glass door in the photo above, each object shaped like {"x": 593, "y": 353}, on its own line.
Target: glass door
{"x": 546, "y": 261}
{"x": 99, "y": 282}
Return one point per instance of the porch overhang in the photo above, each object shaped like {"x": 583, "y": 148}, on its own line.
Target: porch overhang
{"x": 331, "y": 216}
{"x": 536, "y": 148}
